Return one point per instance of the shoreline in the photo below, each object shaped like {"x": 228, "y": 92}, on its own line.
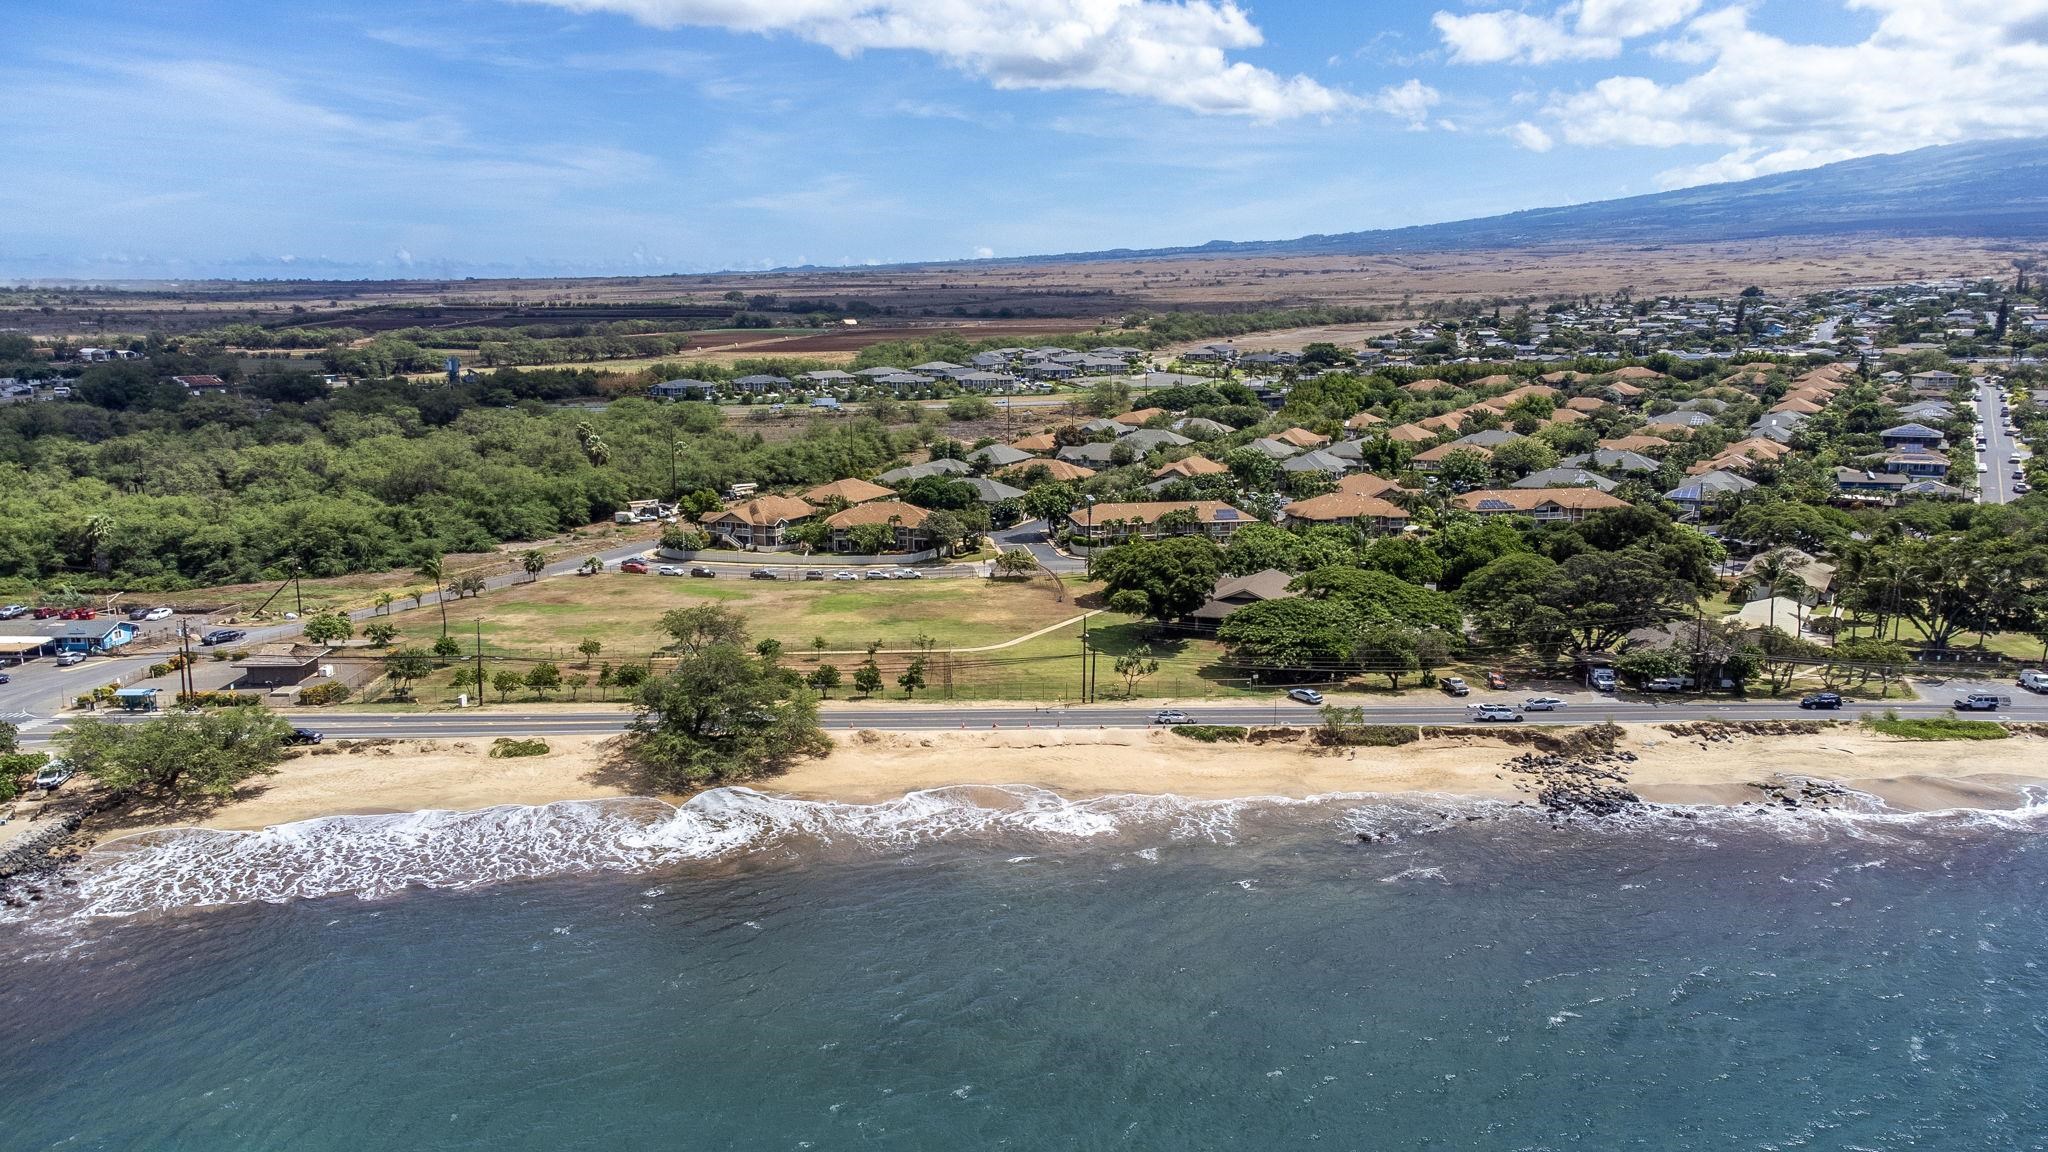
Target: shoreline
{"x": 868, "y": 767}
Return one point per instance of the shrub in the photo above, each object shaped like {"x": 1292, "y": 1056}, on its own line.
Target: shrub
{"x": 1211, "y": 733}
{"x": 218, "y": 700}
{"x": 505, "y": 748}
{"x": 1935, "y": 728}
{"x": 332, "y": 692}
{"x": 1368, "y": 735}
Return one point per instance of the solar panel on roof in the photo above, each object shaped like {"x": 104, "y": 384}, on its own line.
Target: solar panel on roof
{"x": 1226, "y": 513}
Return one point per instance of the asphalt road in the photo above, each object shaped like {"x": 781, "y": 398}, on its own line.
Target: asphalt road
{"x": 1582, "y": 708}
{"x": 1995, "y": 484}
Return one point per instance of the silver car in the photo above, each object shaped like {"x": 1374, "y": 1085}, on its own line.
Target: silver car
{"x": 1542, "y": 704}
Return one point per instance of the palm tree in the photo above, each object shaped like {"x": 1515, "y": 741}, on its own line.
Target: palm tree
{"x": 1776, "y": 571}
{"x": 533, "y": 561}
{"x": 99, "y": 530}
{"x": 384, "y": 600}
{"x": 433, "y": 569}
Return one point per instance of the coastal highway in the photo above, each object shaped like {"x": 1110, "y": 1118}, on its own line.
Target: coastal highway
{"x": 1995, "y": 482}
{"x": 487, "y": 723}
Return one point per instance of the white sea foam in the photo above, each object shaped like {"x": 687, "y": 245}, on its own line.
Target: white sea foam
{"x": 374, "y": 856}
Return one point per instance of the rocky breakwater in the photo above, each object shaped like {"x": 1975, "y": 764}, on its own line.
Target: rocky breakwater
{"x": 1593, "y": 784}
{"x": 36, "y": 858}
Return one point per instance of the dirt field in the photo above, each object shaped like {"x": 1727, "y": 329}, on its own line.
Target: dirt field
{"x": 1084, "y": 294}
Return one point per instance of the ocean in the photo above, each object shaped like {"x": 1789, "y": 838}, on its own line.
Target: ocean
{"x": 999, "y": 968}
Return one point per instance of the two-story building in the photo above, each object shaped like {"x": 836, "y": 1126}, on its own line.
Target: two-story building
{"x": 1543, "y": 505}
{"x": 1115, "y": 523}
{"x": 761, "y": 523}
{"x": 1913, "y": 436}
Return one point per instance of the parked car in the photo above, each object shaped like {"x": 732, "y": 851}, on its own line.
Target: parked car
{"x": 1664, "y": 684}
{"x": 2034, "y": 680}
{"x": 1171, "y": 716}
{"x": 764, "y": 574}
{"x": 44, "y": 613}
{"x": 54, "y": 774}
{"x": 844, "y": 576}
{"x": 1496, "y": 681}
{"x": 1829, "y": 700}
{"x": 1542, "y": 704}
{"x": 1600, "y": 679}
{"x": 5, "y": 678}
{"x": 879, "y": 574}
{"x": 1306, "y": 696}
{"x": 138, "y": 613}
{"x": 305, "y": 736}
{"x": 907, "y": 574}
{"x": 636, "y": 567}
{"x": 814, "y": 573}
{"x": 669, "y": 570}
{"x": 70, "y": 658}
{"x": 222, "y": 636}
{"x": 1494, "y": 713}
{"x": 13, "y": 612}
{"x": 159, "y": 614}
{"x": 703, "y": 573}
{"x": 1454, "y": 686}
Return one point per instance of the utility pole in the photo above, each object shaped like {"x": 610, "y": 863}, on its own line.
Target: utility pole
{"x": 479, "y": 661}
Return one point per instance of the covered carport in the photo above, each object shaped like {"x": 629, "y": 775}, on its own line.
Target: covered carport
{"x": 16, "y": 648}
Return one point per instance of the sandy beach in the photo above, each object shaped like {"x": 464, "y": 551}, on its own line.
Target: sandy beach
{"x": 875, "y": 766}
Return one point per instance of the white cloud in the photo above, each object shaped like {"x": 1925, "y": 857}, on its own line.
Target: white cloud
{"x": 984, "y": 253}
{"x": 1580, "y": 30}
{"x": 1529, "y": 136}
{"x": 1174, "y": 52}
{"x": 1932, "y": 72}
{"x": 1411, "y": 102}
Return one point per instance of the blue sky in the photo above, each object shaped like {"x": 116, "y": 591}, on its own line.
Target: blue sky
{"x": 188, "y": 138}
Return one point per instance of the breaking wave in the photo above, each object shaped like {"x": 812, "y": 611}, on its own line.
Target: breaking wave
{"x": 376, "y": 856}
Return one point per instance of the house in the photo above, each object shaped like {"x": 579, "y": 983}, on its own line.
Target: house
{"x": 1858, "y": 481}
{"x": 1612, "y": 460}
{"x": 1362, "y": 421}
{"x": 1100, "y": 426}
{"x": 683, "y": 390}
{"x": 280, "y": 666}
{"x": 1273, "y": 449}
{"x": 1367, "y": 484}
{"x": 1432, "y": 459}
{"x": 1778, "y": 426}
{"x": 1917, "y": 462}
{"x": 88, "y": 636}
{"x": 1234, "y": 592}
{"x": 1410, "y": 434}
{"x": 1346, "y": 509}
{"x": 1146, "y": 440}
{"x": 984, "y": 381}
{"x": 1585, "y": 404}
{"x": 1797, "y": 404}
{"x": 1816, "y": 578}
{"x": 1638, "y": 443}
{"x": 1490, "y": 439}
{"x": 998, "y": 456}
{"x": 898, "y": 477}
{"x": 1115, "y": 523}
{"x": 1702, "y": 490}
{"x": 1189, "y": 468}
{"x": 907, "y": 520}
{"x": 937, "y": 368}
{"x": 829, "y": 378}
{"x": 1139, "y": 417}
{"x": 852, "y": 491}
{"x": 760, "y": 523}
{"x": 1301, "y": 438}
{"x": 1562, "y": 477}
{"x": 991, "y": 491}
{"x": 1425, "y": 387}
{"x": 1097, "y": 455}
{"x": 1211, "y": 354}
{"x": 1058, "y": 470}
{"x": 1934, "y": 383}
{"x": 1544, "y": 505}
{"x": 1913, "y": 436}
{"x": 1317, "y": 461}
{"x": 201, "y": 385}
{"x": 1681, "y": 420}
{"x": 1197, "y": 425}
{"x": 1934, "y": 490}
{"x": 760, "y": 382}
{"x": 1036, "y": 443}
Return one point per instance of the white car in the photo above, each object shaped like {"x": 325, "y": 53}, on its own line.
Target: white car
{"x": 880, "y": 574}
{"x": 70, "y": 658}
{"x": 907, "y": 574}
{"x": 158, "y": 614}
{"x": 1306, "y": 696}
{"x": 844, "y": 576}
{"x": 1542, "y": 704}
{"x": 668, "y": 570}
{"x": 1171, "y": 716}
{"x": 1494, "y": 712}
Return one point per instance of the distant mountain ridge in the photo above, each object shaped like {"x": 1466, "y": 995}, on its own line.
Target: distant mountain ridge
{"x": 1991, "y": 189}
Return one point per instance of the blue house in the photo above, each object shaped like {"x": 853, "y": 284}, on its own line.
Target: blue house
{"x": 1917, "y": 462}
{"x": 88, "y": 636}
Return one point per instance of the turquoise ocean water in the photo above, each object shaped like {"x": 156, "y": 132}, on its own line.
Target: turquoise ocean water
{"x": 1001, "y": 969}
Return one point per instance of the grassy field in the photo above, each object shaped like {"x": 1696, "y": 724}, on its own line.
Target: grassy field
{"x": 549, "y": 618}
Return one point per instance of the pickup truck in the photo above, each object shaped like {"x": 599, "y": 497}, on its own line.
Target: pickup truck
{"x": 1982, "y": 702}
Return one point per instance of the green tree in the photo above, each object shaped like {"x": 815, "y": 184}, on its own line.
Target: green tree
{"x": 1517, "y": 458}
{"x": 446, "y": 647}
{"x": 1050, "y": 502}
{"x": 534, "y": 562}
{"x": 912, "y": 677}
{"x": 1390, "y": 650}
{"x": 867, "y": 679}
{"x": 379, "y": 634}
{"x": 1381, "y": 596}
{"x": 543, "y": 678}
{"x": 1291, "y": 633}
{"x": 179, "y": 756}
{"x": 1015, "y": 562}
{"x": 383, "y": 601}
{"x": 1257, "y": 547}
{"x": 405, "y": 666}
{"x": 698, "y": 627}
{"x": 435, "y": 571}
{"x": 721, "y": 714}
{"x": 1175, "y": 575}
{"x": 575, "y": 685}
{"x": 329, "y": 628}
{"x": 506, "y": 681}
{"x": 1133, "y": 667}
{"x": 823, "y": 679}
{"x": 1462, "y": 469}
{"x": 589, "y": 649}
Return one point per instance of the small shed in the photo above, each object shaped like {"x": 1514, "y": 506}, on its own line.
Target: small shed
{"x": 286, "y": 666}
{"x": 136, "y": 699}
